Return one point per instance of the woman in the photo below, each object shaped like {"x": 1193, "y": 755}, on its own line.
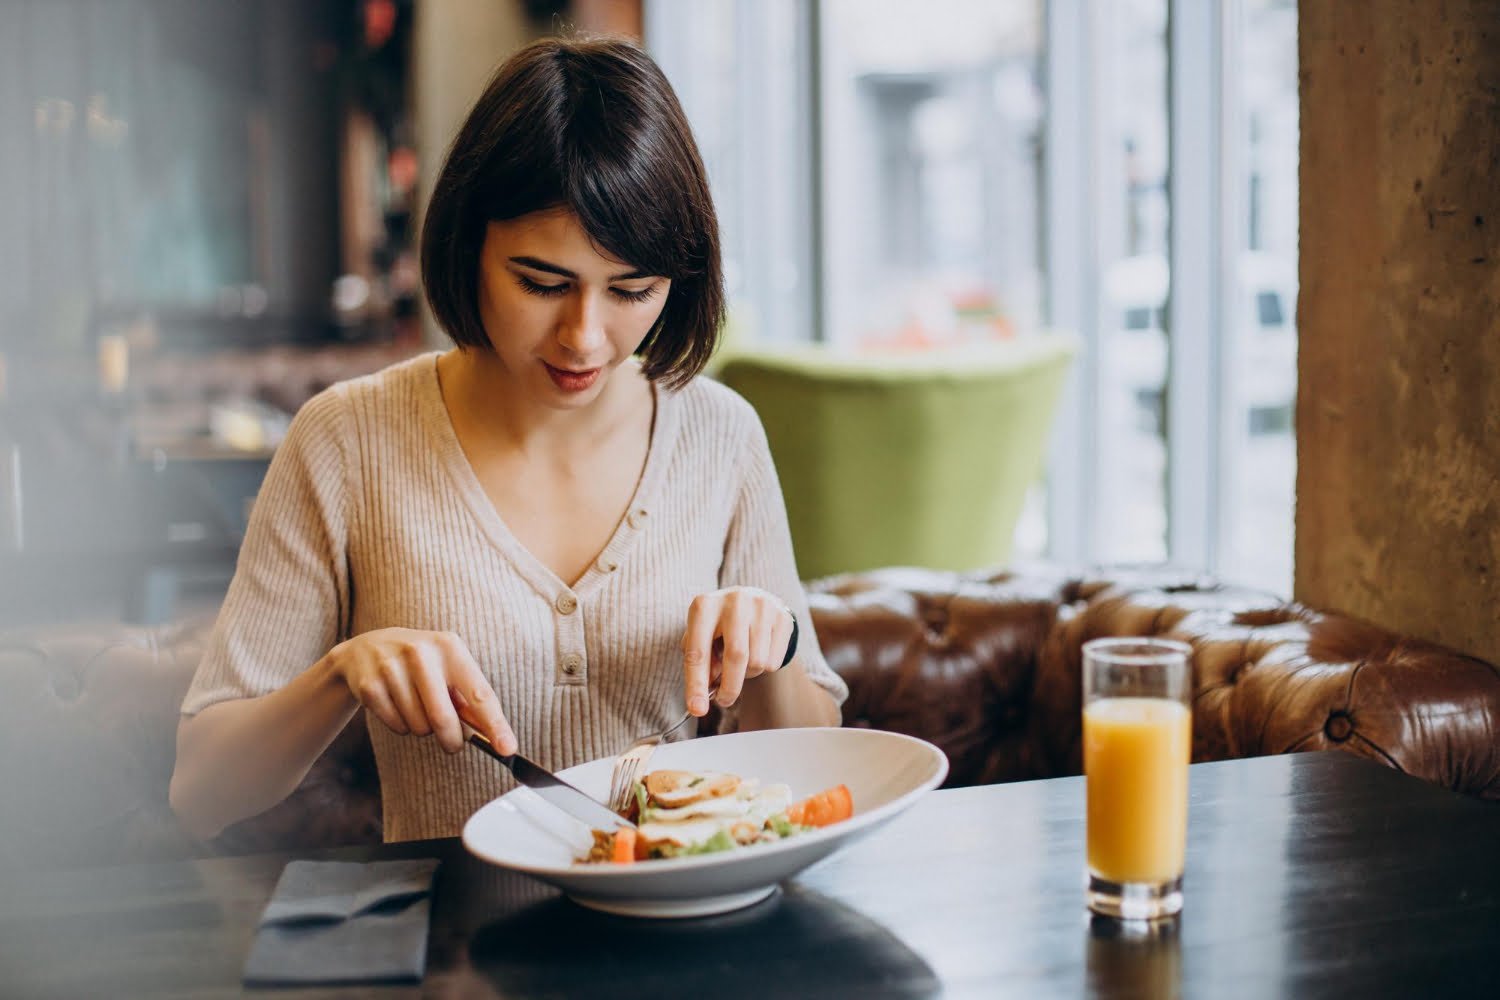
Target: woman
{"x": 535, "y": 533}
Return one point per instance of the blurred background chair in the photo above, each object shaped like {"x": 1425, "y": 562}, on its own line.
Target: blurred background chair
{"x": 917, "y": 459}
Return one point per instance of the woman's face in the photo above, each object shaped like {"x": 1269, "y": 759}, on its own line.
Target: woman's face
{"x": 560, "y": 316}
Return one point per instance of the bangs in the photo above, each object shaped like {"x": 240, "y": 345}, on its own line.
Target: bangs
{"x": 625, "y": 211}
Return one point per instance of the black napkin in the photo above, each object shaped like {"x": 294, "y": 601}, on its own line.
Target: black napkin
{"x": 344, "y": 922}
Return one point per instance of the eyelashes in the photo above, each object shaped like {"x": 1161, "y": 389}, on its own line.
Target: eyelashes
{"x": 537, "y": 288}
{"x": 640, "y": 296}
{"x": 552, "y": 291}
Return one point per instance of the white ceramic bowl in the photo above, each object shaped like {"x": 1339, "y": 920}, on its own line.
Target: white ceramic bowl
{"x": 885, "y": 772}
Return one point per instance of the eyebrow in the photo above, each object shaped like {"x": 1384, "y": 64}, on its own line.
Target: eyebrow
{"x": 537, "y": 264}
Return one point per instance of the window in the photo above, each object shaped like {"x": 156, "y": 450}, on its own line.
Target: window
{"x": 1123, "y": 170}
{"x": 931, "y": 169}
{"x": 131, "y": 181}
{"x": 1117, "y": 216}
{"x": 1257, "y": 455}
{"x": 735, "y": 66}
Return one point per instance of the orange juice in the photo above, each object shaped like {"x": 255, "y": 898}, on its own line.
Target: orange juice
{"x": 1135, "y": 757}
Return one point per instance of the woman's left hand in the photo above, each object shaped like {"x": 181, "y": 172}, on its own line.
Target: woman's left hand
{"x": 732, "y": 635}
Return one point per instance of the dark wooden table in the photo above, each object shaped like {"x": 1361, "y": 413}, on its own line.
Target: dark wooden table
{"x": 1308, "y": 876}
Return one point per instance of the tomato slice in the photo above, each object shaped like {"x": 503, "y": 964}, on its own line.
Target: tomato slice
{"x": 623, "y": 849}
{"x": 828, "y": 806}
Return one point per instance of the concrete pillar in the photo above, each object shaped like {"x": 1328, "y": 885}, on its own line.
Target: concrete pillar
{"x": 456, "y": 46}
{"x": 1398, "y": 416}
{"x": 607, "y": 17}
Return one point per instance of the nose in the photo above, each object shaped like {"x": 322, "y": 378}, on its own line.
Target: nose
{"x": 580, "y": 329}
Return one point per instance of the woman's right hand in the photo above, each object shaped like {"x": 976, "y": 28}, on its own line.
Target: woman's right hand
{"x": 424, "y": 683}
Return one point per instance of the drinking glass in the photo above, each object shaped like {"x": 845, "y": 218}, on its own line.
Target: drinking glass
{"x": 1137, "y": 739}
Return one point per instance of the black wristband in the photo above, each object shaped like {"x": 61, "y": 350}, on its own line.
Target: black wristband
{"x": 791, "y": 644}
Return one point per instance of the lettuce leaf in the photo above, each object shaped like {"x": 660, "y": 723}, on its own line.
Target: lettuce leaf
{"x": 784, "y": 827}
{"x": 641, "y": 798}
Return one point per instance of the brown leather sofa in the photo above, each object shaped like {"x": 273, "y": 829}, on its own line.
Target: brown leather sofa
{"x": 984, "y": 665}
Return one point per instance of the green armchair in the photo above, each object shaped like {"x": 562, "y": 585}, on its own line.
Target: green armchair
{"x": 917, "y": 459}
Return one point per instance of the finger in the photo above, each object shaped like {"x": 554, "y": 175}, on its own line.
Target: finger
{"x": 372, "y": 695}
{"x": 763, "y": 641}
{"x": 734, "y": 627}
{"x": 697, "y": 650}
{"x": 398, "y": 673}
{"x": 504, "y": 739}
{"x": 431, "y": 685}
{"x": 478, "y": 705}
{"x": 465, "y": 713}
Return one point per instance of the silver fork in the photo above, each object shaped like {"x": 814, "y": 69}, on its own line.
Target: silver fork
{"x": 631, "y": 764}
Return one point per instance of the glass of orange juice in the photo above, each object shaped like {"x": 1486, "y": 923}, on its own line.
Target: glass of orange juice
{"x": 1137, "y": 739}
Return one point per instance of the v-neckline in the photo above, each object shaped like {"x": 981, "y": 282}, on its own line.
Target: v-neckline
{"x": 538, "y": 574}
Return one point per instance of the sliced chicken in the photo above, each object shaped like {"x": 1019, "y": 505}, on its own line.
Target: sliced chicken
{"x": 675, "y": 789}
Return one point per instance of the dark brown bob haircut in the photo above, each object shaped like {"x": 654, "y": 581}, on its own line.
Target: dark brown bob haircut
{"x": 594, "y": 127}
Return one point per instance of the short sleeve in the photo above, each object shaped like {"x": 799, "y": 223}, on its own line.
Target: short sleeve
{"x": 288, "y": 602}
{"x": 758, "y": 553}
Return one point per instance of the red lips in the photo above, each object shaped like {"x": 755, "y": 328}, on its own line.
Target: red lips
{"x": 572, "y": 381}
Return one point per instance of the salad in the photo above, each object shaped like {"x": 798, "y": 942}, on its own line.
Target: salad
{"x": 680, "y": 813}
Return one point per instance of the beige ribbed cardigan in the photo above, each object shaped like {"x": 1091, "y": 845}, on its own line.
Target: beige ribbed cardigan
{"x": 371, "y": 516}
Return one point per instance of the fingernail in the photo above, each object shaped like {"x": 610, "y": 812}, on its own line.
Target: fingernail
{"x": 699, "y": 705}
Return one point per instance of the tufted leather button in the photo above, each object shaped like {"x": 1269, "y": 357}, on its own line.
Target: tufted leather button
{"x": 566, "y": 604}
{"x": 936, "y": 621}
{"x": 1339, "y": 726}
{"x": 637, "y": 518}
{"x": 571, "y": 664}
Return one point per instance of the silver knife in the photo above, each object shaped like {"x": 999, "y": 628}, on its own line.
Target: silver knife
{"x": 554, "y": 790}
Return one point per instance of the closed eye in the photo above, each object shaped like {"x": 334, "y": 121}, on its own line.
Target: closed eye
{"x": 640, "y": 296}
{"x": 537, "y": 288}
{"x": 551, "y": 291}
